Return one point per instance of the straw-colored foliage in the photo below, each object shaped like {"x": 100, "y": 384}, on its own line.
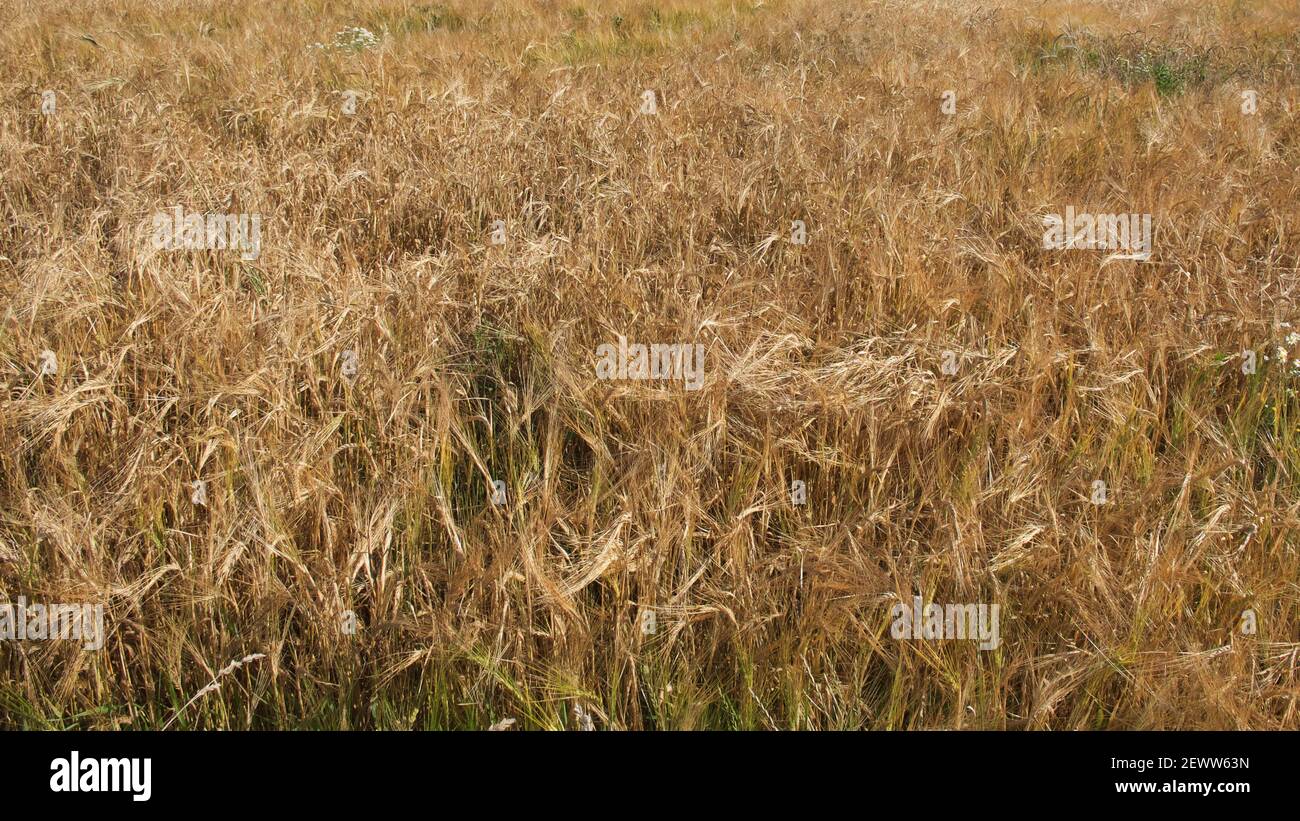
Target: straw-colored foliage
{"x": 336, "y": 482}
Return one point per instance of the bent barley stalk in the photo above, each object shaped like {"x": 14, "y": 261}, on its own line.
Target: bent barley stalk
{"x": 215, "y": 684}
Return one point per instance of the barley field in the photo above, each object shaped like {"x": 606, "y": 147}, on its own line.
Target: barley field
{"x": 319, "y": 368}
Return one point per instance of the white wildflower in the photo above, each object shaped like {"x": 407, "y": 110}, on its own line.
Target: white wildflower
{"x": 355, "y": 39}
{"x": 583, "y": 718}
{"x": 350, "y": 365}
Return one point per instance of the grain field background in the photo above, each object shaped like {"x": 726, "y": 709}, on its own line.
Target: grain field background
{"x": 278, "y": 472}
